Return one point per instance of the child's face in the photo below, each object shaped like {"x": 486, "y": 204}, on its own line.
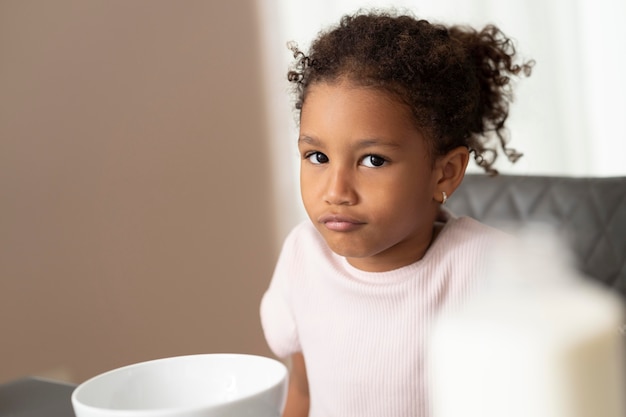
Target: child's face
{"x": 366, "y": 176}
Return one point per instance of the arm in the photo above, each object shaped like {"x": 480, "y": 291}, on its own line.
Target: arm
{"x": 298, "y": 392}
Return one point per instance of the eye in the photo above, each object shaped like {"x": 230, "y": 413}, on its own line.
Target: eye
{"x": 316, "y": 158}
{"x": 373, "y": 161}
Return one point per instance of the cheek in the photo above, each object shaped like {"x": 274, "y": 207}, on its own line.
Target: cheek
{"x": 402, "y": 191}
{"x": 305, "y": 182}
{"x": 307, "y": 190}
{"x": 404, "y": 204}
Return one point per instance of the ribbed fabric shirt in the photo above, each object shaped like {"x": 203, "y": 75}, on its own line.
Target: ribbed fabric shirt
{"x": 364, "y": 335}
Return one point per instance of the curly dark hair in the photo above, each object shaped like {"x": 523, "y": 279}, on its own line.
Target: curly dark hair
{"x": 456, "y": 80}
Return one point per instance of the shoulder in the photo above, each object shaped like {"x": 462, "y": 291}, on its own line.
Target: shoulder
{"x": 304, "y": 239}
{"x": 301, "y": 231}
{"x": 303, "y": 250}
{"x": 466, "y": 229}
{"x": 461, "y": 254}
{"x": 472, "y": 229}
{"x": 464, "y": 239}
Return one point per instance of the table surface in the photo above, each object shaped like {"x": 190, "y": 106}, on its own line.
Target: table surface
{"x": 36, "y": 397}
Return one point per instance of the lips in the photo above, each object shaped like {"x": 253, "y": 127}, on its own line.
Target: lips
{"x": 340, "y": 223}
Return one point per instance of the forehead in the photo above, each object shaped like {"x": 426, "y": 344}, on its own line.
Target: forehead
{"x": 345, "y": 90}
{"x": 343, "y": 108}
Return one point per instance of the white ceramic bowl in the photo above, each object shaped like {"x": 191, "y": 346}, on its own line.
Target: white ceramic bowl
{"x": 209, "y": 385}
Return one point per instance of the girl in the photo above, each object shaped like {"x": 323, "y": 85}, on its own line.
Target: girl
{"x": 391, "y": 108}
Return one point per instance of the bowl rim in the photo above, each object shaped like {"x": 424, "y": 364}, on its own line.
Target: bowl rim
{"x": 165, "y": 411}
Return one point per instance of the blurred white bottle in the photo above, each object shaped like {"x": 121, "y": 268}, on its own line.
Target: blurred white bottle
{"x": 535, "y": 340}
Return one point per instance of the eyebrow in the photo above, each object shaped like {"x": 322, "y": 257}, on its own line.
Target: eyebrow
{"x": 363, "y": 143}
{"x": 309, "y": 141}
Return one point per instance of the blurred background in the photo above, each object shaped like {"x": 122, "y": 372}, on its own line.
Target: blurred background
{"x": 136, "y": 198}
{"x": 148, "y": 167}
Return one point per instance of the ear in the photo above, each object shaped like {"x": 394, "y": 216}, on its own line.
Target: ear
{"x": 450, "y": 170}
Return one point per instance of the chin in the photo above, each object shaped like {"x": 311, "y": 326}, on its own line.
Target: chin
{"x": 350, "y": 252}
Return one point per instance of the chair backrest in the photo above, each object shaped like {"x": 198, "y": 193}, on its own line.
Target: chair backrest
{"x": 589, "y": 212}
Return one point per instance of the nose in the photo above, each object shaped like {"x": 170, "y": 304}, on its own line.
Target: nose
{"x": 340, "y": 187}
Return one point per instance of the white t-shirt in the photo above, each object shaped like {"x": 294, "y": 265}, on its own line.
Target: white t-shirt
{"x": 363, "y": 334}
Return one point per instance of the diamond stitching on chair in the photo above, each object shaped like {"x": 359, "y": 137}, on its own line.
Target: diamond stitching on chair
{"x": 590, "y": 212}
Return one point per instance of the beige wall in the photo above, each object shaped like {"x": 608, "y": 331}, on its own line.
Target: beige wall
{"x": 135, "y": 195}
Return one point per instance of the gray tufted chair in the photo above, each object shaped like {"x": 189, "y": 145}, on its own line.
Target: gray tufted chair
{"x": 589, "y": 212}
